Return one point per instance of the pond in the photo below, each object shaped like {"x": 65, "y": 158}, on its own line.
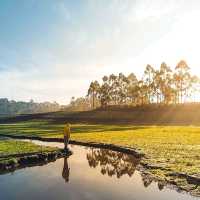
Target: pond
{"x": 89, "y": 174}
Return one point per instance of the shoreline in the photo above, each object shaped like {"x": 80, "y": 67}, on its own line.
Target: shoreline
{"x": 10, "y": 163}
{"x": 112, "y": 147}
{"x": 144, "y": 167}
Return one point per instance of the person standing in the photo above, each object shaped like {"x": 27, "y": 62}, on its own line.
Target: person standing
{"x": 67, "y": 132}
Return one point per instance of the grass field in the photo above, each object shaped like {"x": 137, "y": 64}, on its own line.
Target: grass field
{"x": 175, "y": 148}
{"x": 11, "y": 147}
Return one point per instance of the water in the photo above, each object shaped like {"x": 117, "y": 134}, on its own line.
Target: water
{"x": 89, "y": 174}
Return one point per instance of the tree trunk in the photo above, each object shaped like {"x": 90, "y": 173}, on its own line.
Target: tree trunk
{"x": 93, "y": 100}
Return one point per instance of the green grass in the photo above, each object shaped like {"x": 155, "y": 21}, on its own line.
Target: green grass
{"x": 11, "y": 147}
{"x": 176, "y": 148}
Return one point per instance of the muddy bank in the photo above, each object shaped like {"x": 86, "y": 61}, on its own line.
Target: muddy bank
{"x": 180, "y": 182}
{"x": 10, "y": 163}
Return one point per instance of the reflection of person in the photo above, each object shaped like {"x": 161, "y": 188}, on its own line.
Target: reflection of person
{"x": 66, "y": 135}
{"x": 66, "y": 169}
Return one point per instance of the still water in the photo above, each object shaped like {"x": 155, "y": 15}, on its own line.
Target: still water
{"x": 89, "y": 174}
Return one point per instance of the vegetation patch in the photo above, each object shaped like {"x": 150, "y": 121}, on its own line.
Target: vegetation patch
{"x": 17, "y": 154}
{"x": 14, "y": 147}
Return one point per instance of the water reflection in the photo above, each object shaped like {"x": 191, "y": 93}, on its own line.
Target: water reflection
{"x": 46, "y": 182}
{"x": 147, "y": 180}
{"x": 161, "y": 186}
{"x": 112, "y": 163}
{"x": 66, "y": 170}
{"x": 117, "y": 164}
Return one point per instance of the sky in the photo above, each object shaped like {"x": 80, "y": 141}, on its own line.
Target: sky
{"x": 51, "y": 50}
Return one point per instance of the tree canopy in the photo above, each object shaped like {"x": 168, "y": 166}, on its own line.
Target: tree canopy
{"x": 157, "y": 86}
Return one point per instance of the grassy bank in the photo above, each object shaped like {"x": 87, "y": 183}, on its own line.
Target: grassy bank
{"x": 13, "y": 152}
{"x": 12, "y": 147}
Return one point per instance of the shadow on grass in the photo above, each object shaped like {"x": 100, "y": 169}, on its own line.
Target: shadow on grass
{"x": 48, "y": 129}
{"x": 103, "y": 128}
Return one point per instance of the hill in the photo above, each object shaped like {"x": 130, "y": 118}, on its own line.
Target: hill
{"x": 187, "y": 114}
{"x": 10, "y": 108}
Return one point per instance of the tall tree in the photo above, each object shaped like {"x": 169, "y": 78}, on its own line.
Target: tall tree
{"x": 132, "y": 88}
{"x": 122, "y": 88}
{"x": 165, "y": 82}
{"x": 193, "y": 86}
{"x": 149, "y": 74}
{"x": 94, "y": 90}
{"x": 105, "y": 96}
{"x": 182, "y": 77}
{"x": 113, "y": 83}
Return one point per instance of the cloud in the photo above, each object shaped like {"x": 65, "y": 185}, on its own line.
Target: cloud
{"x": 86, "y": 41}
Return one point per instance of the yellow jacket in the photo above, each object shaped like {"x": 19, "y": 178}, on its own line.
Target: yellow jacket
{"x": 67, "y": 131}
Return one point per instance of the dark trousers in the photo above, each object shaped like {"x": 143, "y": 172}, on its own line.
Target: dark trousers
{"x": 66, "y": 141}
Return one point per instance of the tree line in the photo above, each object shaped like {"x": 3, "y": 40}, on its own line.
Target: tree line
{"x": 157, "y": 86}
{"x": 13, "y": 107}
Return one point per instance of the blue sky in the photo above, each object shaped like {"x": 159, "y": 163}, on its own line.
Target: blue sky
{"x": 51, "y": 50}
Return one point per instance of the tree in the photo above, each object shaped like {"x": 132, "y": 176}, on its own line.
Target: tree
{"x": 94, "y": 90}
{"x": 105, "y": 96}
{"x": 182, "y": 77}
{"x": 122, "y": 88}
{"x": 113, "y": 84}
{"x": 165, "y": 82}
{"x": 149, "y": 74}
{"x": 143, "y": 92}
{"x": 193, "y": 88}
{"x": 132, "y": 92}
{"x": 160, "y": 86}
{"x": 13, "y": 107}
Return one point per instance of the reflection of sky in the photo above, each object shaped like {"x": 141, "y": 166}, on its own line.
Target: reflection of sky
{"x": 48, "y": 49}
{"x": 46, "y": 182}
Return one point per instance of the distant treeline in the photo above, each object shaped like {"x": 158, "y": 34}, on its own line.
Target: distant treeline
{"x": 19, "y": 107}
{"x": 157, "y": 86}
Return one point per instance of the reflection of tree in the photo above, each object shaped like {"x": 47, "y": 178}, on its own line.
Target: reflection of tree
{"x": 161, "y": 186}
{"x": 147, "y": 180}
{"x": 66, "y": 170}
{"x": 112, "y": 163}
{"x": 117, "y": 164}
